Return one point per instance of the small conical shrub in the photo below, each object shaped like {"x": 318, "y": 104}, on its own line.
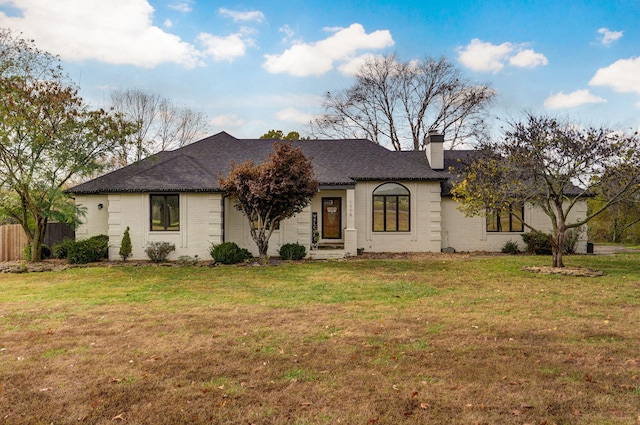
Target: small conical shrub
{"x": 125, "y": 245}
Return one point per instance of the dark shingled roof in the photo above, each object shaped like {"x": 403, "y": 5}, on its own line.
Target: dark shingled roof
{"x": 455, "y": 161}
{"x": 195, "y": 167}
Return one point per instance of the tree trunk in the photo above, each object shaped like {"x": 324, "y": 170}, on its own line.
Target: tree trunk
{"x": 38, "y": 239}
{"x": 263, "y": 247}
{"x": 557, "y": 245}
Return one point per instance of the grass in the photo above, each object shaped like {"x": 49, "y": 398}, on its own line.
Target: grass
{"x": 447, "y": 340}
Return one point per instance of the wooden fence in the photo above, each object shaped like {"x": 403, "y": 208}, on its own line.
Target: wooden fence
{"x": 13, "y": 240}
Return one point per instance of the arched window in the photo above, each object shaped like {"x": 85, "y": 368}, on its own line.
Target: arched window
{"x": 391, "y": 208}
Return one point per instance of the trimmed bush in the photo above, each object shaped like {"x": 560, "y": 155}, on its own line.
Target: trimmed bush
{"x": 229, "y": 253}
{"x": 125, "y": 246}
{"x": 292, "y": 251}
{"x": 88, "y": 250}
{"x": 159, "y": 251}
{"x": 61, "y": 249}
{"x": 510, "y": 247}
{"x": 538, "y": 243}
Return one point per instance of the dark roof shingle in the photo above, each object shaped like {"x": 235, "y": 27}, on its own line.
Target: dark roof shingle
{"x": 196, "y": 167}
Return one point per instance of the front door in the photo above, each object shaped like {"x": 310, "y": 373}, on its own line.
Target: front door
{"x": 331, "y": 218}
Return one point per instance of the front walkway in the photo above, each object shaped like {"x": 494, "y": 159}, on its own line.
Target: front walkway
{"x": 612, "y": 249}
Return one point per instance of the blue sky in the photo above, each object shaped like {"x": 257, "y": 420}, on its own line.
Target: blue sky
{"x": 256, "y": 65}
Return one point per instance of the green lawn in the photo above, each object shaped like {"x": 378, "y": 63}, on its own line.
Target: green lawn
{"x": 447, "y": 339}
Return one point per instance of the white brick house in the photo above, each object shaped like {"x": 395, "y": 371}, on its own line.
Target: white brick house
{"x": 370, "y": 199}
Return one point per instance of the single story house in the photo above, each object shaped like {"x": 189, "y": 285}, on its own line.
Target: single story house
{"x": 369, "y": 199}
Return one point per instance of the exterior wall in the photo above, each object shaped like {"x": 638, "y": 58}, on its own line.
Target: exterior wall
{"x": 470, "y": 233}
{"x": 435, "y": 223}
{"x": 200, "y": 223}
{"x": 425, "y": 225}
{"x": 96, "y": 220}
{"x": 293, "y": 230}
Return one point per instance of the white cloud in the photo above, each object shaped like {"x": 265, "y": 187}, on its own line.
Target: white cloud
{"x": 182, "y": 6}
{"x": 609, "y": 37}
{"x": 287, "y": 31}
{"x": 168, "y": 23}
{"x": 304, "y": 59}
{"x": 487, "y": 57}
{"x": 481, "y": 56}
{"x": 354, "y": 65}
{"x": 223, "y": 48}
{"x": 622, "y": 76}
{"x": 294, "y": 115}
{"x": 115, "y": 32}
{"x": 237, "y": 16}
{"x": 227, "y": 121}
{"x": 528, "y": 59}
{"x": 571, "y": 100}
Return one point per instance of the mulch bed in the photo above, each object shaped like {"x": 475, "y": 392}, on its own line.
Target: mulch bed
{"x": 566, "y": 271}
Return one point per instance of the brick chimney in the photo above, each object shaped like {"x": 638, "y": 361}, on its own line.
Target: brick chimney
{"x": 435, "y": 150}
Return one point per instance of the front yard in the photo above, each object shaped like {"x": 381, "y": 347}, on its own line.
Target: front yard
{"x": 445, "y": 340}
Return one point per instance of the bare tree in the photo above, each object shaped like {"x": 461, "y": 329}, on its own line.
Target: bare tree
{"x": 161, "y": 125}
{"x": 191, "y": 125}
{"x": 396, "y": 104}
{"x": 141, "y": 108}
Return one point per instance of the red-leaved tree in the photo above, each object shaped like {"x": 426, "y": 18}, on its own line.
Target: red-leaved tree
{"x": 267, "y": 193}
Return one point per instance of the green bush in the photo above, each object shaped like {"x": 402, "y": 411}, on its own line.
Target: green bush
{"x": 292, "y": 251}
{"x": 61, "y": 249}
{"x": 571, "y": 237}
{"x": 229, "y": 253}
{"x": 125, "y": 245}
{"x": 45, "y": 252}
{"x": 159, "y": 251}
{"x": 510, "y": 247}
{"x": 88, "y": 250}
{"x": 538, "y": 243}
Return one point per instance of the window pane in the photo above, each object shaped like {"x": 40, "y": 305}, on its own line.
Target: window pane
{"x": 392, "y": 208}
{"x": 403, "y": 213}
{"x": 157, "y": 212}
{"x": 505, "y": 219}
{"x": 378, "y": 213}
{"x": 165, "y": 212}
{"x": 492, "y": 221}
{"x": 391, "y": 189}
{"x": 518, "y": 212}
{"x": 173, "y": 212}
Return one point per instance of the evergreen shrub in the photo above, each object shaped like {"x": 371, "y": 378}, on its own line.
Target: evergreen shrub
{"x": 538, "y": 243}
{"x": 88, "y": 250}
{"x": 510, "y": 247}
{"x": 292, "y": 251}
{"x": 229, "y": 253}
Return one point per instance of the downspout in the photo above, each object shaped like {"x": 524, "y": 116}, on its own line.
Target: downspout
{"x": 224, "y": 216}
